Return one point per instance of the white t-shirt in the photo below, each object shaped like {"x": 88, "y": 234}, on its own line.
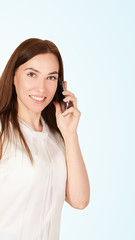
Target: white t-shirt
{"x": 32, "y": 197}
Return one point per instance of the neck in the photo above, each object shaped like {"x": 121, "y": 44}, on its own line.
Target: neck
{"x": 36, "y": 123}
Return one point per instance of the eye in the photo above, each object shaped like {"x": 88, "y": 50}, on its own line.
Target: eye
{"x": 31, "y": 74}
{"x": 52, "y": 78}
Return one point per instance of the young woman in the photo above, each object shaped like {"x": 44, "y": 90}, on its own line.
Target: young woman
{"x": 40, "y": 159}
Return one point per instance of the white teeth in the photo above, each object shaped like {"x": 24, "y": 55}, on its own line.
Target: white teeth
{"x": 37, "y": 98}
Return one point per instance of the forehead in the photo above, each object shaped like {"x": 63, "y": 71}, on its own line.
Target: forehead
{"x": 45, "y": 61}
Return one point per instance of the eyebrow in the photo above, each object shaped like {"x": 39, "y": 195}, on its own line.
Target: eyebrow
{"x": 55, "y": 72}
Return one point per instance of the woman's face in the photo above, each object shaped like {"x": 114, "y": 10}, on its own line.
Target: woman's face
{"x": 36, "y": 82}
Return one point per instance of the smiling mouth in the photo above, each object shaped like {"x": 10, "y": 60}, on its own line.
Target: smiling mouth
{"x": 37, "y": 99}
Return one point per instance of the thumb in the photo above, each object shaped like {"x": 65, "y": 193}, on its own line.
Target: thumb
{"x": 57, "y": 107}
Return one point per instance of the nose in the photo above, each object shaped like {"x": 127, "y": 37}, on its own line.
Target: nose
{"x": 41, "y": 85}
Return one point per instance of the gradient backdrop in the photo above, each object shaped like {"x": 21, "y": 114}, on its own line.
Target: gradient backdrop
{"x": 97, "y": 43}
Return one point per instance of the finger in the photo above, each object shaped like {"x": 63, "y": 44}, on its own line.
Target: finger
{"x": 57, "y": 107}
{"x": 70, "y": 110}
{"x": 68, "y": 93}
{"x": 65, "y": 85}
{"x": 72, "y": 100}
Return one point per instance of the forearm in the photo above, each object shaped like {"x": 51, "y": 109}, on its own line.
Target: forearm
{"x": 78, "y": 186}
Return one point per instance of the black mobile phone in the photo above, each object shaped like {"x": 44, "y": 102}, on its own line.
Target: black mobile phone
{"x": 66, "y": 104}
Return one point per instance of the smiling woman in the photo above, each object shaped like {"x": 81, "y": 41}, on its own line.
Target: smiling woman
{"x": 41, "y": 164}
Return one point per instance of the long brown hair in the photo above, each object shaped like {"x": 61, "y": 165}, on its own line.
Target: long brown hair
{"x": 8, "y": 97}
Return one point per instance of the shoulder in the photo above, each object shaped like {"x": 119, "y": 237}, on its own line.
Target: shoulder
{"x": 55, "y": 137}
{"x": 59, "y": 140}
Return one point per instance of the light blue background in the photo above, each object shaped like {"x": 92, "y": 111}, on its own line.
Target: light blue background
{"x": 97, "y": 43}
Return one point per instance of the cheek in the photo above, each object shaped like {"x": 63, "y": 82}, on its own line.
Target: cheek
{"x": 51, "y": 87}
{"x": 24, "y": 86}
{"x": 23, "y": 90}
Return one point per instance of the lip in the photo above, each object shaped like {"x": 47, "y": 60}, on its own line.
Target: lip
{"x": 37, "y": 96}
{"x": 37, "y": 101}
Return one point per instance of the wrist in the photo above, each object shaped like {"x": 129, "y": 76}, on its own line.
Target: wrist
{"x": 70, "y": 136}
